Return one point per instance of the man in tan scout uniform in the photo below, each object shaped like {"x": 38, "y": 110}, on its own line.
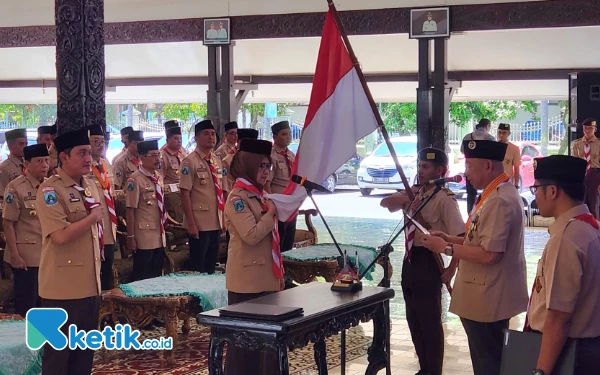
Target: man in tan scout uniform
{"x": 69, "y": 278}
{"x": 280, "y": 177}
{"x": 126, "y": 164}
{"x": 202, "y": 198}
{"x": 12, "y": 167}
{"x": 22, "y": 228}
{"x": 565, "y": 301}
{"x": 588, "y": 148}
{"x": 228, "y": 181}
{"x": 45, "y": 135}
{"x": 512, "y": 159}
{"x": 172, "y": 155}
{"x": 231, "y": 139}
{"x": 125, "y": 140}
{"x": 102, "y": 175}
{"x": 52, "y": 156}
{"x": 490, "y": 287}
{"x": 421, "y": 276}
{"x": 147, "y": 215}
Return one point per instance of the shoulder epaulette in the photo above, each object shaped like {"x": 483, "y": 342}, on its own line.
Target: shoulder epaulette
{"x": 448, "y": 191}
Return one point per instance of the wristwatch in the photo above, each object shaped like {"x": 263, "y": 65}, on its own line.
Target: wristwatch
{"x": 538, "y": 372}
{"x": 449, "y": 250}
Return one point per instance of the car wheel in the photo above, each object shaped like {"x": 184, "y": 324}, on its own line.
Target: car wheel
{"x": 366, "y": 192}
{"x": 330, "y": 183}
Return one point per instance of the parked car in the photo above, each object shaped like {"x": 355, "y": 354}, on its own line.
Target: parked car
{"x": 378, "y": 171}
{"x": 344, "y": 175}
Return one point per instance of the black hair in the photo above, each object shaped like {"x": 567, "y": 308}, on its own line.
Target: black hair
{"x": 575, "y": 191}
{"x": 483, "y": 123}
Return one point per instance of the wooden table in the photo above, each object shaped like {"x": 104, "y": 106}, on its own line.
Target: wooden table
{"x": 326, "y": 313}
{"x": 141, "y": 311}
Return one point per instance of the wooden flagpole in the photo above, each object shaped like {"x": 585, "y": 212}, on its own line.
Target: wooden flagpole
{"x": 378, "y": 118}
{"x": 363, "y": 82}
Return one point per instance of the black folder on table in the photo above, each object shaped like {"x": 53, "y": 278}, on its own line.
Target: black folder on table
{"x": 257, "y": 311}
{"x": 521, "y": 350}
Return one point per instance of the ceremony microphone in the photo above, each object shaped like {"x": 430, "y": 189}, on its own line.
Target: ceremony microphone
{"x": 302, "y": 181}
{"x": 442, "y": 181}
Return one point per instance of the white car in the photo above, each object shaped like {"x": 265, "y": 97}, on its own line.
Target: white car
{"x": 378, "y": 171}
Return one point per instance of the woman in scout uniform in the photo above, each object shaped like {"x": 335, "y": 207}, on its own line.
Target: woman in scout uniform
{"x": 102, "y": 175}
{"x": 12, "y": 167}
{"x": 421, "y": 276}
{"x": 146, "y": 214}
{"x": 491, "y": 284}
{"x": 69, "y": 277}
{"x": 202, "y": 199}
{"x": 231, "y": 139}
{"x": 22, "y": 227}
{"x": 172, "y": 155}
{"x": 254, "y": 264}
{"x": 588, "y": 149}
{"x": 565, "y": 301}
{"x": 128, "y": 163}
{"x": 512, "y": 159}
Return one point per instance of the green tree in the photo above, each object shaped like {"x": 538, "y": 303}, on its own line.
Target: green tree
{"x": 399, "y": 117}
{"x": 257, "y": 110}
{"x": 184, "y": 111}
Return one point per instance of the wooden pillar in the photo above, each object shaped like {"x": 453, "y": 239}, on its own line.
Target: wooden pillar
{"x": 80, "y": 64}
{"x": 424, "y": 96}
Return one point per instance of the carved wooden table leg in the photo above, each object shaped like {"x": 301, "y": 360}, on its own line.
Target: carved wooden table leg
{"x": 170, "y": 316}
{"x": 378, "y": 354}
{"x": 186, "y": 325}
{"x": 321, "y": 356}
{"x": 215, "y": 356}
{"x": 284, "y": 365}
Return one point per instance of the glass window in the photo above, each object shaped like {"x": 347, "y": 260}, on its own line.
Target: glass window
{"x": 401, "y": 148}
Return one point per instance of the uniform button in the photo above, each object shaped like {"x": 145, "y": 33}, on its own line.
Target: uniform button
{"x": 147, "y": 225}
{"x": 69, "y": 261}
{"x": 94, "y": 236}
{"x": 253, "y": 262}
{"x": 473, "y": 278}
{"x": 77, "y": 209}
{"x": 96, "y": 259}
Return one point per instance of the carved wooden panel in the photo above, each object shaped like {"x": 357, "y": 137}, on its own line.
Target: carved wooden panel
{"x": 80, "y": 64}
{"x": 524, "y": 15}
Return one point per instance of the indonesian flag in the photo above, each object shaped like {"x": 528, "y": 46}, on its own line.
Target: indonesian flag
{"x": 339, "y": 115}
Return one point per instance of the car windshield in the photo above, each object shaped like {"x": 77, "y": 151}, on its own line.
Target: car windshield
{"x": 401, "y": 148}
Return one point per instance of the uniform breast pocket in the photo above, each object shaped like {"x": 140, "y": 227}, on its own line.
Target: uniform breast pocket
{"x": 253, "y": 261}
{"x": 29, "y": 206}
{"x": 281, "y": 165}
{"x": 148, "y": 196}
{"x": 174, "y": 166}
{"x": 203, "y": 178}
{"x": 65, "y": 258}
{"x": 147, "y": 225}
{"x": 475, "y": 277}
{"x": 76, "y": 211}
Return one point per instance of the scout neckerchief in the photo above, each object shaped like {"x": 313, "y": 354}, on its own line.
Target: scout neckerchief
{"x": 215, "y": 178}
{"x": 409, "y": 234}
{"x": 482, "y": 198}
{"x": 288, "y": 159}
{"x": 160, "y": 200}
{"x": 587, "y": 149}
{"x": 586, "y": 218}
{"x": 100, "y": 173}
{"x": 89, "y": 203}
{"x": 179, "y": 152}
{"x": 277, "y": 263}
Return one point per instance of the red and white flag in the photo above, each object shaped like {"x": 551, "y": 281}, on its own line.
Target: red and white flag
{"x": 339, "y": 115}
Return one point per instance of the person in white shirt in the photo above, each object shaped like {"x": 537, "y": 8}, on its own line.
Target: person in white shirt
{"x": 429, "y": 26}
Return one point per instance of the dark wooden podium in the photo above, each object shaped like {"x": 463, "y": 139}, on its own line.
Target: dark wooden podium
{"x": 326, "y": 313}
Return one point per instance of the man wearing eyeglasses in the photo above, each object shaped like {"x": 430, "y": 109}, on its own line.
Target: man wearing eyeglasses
{"x": 102, "y": 175}
{"x": 231, "y": 138}
{"x": 588, "y": 148}
{"x": 491, "y": 284}
{"x": 565, "y": 302}
{"x": 171, "y": 153}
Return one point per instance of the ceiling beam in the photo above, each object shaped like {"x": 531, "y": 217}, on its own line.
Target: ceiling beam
{"x": 491, "y": 75}
{"x": 478, "y": 17}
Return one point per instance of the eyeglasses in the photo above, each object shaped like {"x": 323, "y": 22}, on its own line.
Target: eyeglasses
{"x": 533, "y": 189}
{"x": 264, "y": 166}
{"x": 99, "y": 142}
{"x": 231, "y": 133}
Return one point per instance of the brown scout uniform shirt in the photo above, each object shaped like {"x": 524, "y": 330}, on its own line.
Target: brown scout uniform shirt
{"x": 440, "y": 214}
{"x": 171, "y": 164}
{"x": 228, "y": 180}
{"x": 20, "y": 207}
{"x": 224, "y": 150}
{"x": 140, "y": 194}
{"x": 109, "y": 235}
{"x": 52, "y": 160}
{"x": 123, "y": 168}
{"x": 489, "y": 293}
{"x": 249, "y": 254}
{"x": 512, "y": 160}
{"x": 579, "y": 150}
{"x": 72, "y": 270}
{"x": 10, "y": 169}
{"x": 568, "y": 276}
{"x": 195, "y": 176}
{"x": 280, "y": 175}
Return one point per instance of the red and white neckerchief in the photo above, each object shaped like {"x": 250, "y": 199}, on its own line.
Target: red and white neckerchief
{"x": 409, "y": 233}
{"x": 218, "y": 188}
{"x": 587, "y": 149}
{"x": 586, "y": 218}
{"x": 288, "y": 160}
{"x": 160, "y": 200}
{"x": 277, "y": 260}
{"x": 90, "y": 203}
{"x": 102, "y": 176}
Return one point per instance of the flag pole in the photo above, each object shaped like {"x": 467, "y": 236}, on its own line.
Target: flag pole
{"x": 363, "y": 82}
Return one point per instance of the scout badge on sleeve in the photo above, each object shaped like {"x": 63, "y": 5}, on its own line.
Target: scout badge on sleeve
{"x": 9, "y": 198}
{"x": 49, "y": 196}
{"x": 185, "y": 170}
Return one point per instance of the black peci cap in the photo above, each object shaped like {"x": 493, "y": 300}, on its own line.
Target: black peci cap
{"x": 244, "y": 133}
{"x": 15, "y": 133}
{"x": 504, "y": 127}
{"x": 434, "y": 155}
{"x": 171, "y": 124}
{"x": 231, "y": 125}
{"x": 45, "y": 130}
{"x": 136, "y": 135}
{"x": 256, "y": 146}
{"x": 96, "y": 130}
{"x": 72, "y": 139}
{"x": 147, "y": 146}
{"x": 280, "y": 126}
{"x": 560, "y": 168}
{"x": 35, "y": 151}
{"x": 173, "y": 131}
{"x": 126, "y": 130}
{"x": 203, "y": 125}
{"x": 490, "y": 150}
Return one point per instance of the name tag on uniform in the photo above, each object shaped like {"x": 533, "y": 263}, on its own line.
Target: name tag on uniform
{"x": 73, "y": 199}
{"x": 202, "y": 169}
{"x": 29, "y": 198}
